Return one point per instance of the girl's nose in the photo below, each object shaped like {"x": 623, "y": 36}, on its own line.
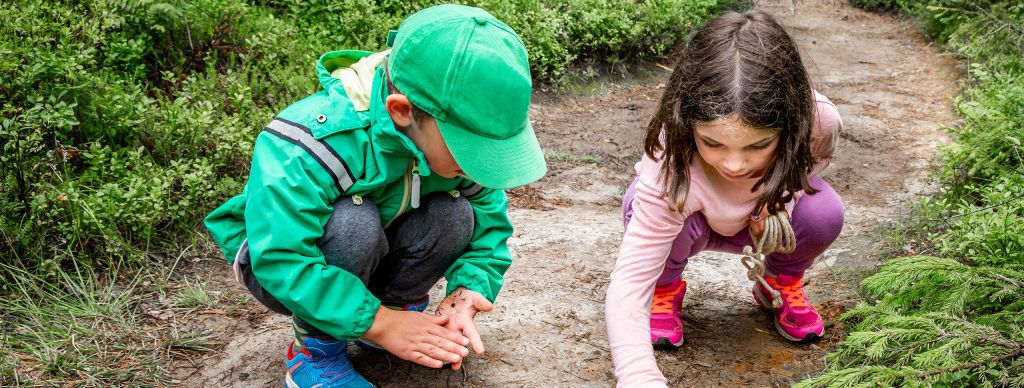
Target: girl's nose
{"x": 733, "y": 164}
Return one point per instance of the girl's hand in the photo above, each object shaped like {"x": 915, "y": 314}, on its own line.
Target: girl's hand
{"x": 460, "y": 307}
{"x": 757, "y": 223}
{"x": 418, "y": 337}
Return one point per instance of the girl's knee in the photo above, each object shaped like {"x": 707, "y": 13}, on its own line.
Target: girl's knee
{"x": 829, "y": 224}
{"x": 822, "y": 214}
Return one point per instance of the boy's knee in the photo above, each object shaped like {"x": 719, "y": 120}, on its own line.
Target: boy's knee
{"x": 454, "y": 215}
{"x": 353, "y": 238}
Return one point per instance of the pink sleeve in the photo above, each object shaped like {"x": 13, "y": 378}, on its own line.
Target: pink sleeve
{"x": 645, "y": 246}
{"x": 825, "y": 134}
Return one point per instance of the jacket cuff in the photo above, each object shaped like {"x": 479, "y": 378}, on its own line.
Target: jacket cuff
{"x": 474, "y": 280}
{"x": 365, "y": 316}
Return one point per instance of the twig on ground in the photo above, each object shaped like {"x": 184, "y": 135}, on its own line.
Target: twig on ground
{"x": 562, "y": 326}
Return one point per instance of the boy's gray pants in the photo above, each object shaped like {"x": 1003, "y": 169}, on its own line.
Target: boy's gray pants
{"x": 398, "y": 265}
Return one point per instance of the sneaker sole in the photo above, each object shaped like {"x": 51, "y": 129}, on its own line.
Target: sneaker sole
{"x": 290, "y": 383}
{"x": 767, "y": 306}
{"x": 665, "y": 343}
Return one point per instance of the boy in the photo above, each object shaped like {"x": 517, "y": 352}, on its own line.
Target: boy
{"x": 364, "y": 194}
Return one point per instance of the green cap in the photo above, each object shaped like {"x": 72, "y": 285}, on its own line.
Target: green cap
{"x": 470, "y": 72}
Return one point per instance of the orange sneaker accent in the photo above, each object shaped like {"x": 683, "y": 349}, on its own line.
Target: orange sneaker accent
{"x": 663, "y": 300}
{"x": 792, "y": 293}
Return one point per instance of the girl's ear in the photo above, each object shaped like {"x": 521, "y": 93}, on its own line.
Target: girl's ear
{"x": 400, "y": 109}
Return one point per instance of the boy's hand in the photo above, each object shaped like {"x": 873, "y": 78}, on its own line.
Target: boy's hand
{"x": 418, "y": 337}
{"x": 460, "y": 307}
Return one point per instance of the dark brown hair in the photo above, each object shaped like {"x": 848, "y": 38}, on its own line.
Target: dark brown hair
{"x": 741, "y": 64}
{"x": 417, "y": 113}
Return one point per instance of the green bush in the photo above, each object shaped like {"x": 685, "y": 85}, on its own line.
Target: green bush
{"x": 956, "y": 320}
{"x": 115, "y": 132}
{"x": 124, "y": 122}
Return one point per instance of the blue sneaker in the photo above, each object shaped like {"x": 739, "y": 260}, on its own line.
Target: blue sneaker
{"x": 322, "y": 364}
{"x": 418, "y": 306}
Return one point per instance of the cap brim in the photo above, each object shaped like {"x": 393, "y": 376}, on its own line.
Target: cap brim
{"x": 496, "y": 163}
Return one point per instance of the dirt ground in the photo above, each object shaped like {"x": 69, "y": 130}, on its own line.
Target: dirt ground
{"x": 894, "y": 92}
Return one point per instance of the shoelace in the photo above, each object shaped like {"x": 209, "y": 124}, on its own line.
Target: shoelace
{"x": 794, "y": 293}
{"x": 663, "y": 300}
{"x": 778, "y": 236}
{"x": 328, "y": 363}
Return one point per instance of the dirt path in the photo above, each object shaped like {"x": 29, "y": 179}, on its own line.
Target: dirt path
{"x": 893, "y": 92}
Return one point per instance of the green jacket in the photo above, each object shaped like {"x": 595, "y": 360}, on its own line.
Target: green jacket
{"x": 341, "y": 142}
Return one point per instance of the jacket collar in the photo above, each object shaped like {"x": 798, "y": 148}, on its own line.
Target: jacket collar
{"x": 364, "y": 85}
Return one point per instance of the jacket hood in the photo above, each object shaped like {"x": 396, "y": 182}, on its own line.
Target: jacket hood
{"x": 360, "y": 76}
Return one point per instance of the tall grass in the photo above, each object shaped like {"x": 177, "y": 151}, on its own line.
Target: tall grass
{"x": 80, "y": 328}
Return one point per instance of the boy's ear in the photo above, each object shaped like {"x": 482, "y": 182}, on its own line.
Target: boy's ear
{"x": 400, "y": 109}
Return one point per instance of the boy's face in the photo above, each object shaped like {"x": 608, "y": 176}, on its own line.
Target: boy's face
{"x": 736, "y": 150}
{"x": 428, "y": 139}
{"x": 425, "y": 134}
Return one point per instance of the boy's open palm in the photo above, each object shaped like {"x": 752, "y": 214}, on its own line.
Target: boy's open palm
{"x": 425, "y": 339}
{"x": 460, "y": 307}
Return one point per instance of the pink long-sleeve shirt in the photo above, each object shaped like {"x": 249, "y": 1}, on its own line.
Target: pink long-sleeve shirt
{"x": 726, "y": 205}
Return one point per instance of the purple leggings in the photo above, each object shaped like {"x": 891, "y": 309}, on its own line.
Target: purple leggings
{"x": 817, "y": 220}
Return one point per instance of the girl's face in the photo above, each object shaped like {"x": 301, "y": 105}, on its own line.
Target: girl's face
{"x": 736, "y": 150}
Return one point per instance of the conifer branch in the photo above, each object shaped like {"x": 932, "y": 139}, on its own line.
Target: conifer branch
{"x": 1018, "y": 353}
{"x": 1008, "y": 25}
{"x": 1008, "y": 280}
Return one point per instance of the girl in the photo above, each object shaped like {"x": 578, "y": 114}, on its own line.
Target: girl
{"x": 739, "y": 135}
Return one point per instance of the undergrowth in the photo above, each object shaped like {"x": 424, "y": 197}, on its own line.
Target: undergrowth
{"x": 955, "y": 317}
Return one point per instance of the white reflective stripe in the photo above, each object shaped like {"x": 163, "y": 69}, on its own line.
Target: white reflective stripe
{"x": 471, "y": 190}
{"x": 236, "y": 265}
{"x": 303, "y": 137}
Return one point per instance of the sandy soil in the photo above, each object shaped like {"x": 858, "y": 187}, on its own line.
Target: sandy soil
{"x": 893, "y": 90}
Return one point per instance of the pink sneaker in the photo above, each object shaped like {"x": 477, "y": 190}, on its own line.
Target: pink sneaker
{"x": 796, "y": 320}
{"x": 666, "y": 310}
